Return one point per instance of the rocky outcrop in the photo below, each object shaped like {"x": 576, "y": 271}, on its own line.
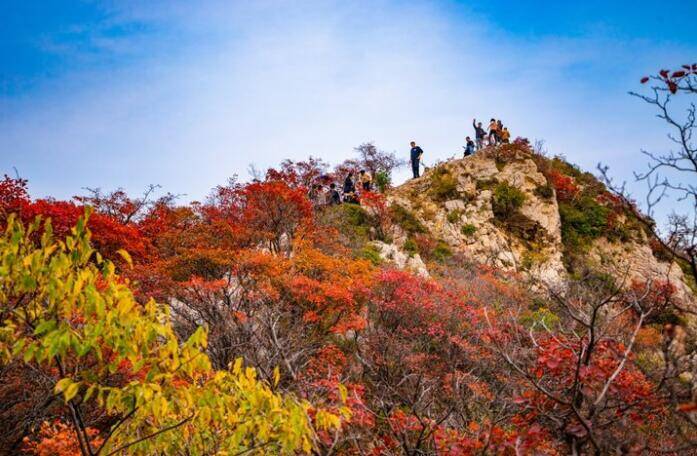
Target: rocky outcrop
{"x": 634, "y": 261}
{"x": 393, "y": 254}
{"x": 466, "y": 220}
{"x": 457, "y": 202}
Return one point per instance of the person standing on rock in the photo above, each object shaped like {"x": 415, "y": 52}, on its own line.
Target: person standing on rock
{"x": 416, "y": 154}
{"x": 505, "y": 136}
{"x": 469, "y": 148}
{"x": 479, "y": 133}
{"x": 349, "y": 189}
{"x": 493, "y": 132}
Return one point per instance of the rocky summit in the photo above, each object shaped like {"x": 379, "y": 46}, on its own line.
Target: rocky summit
{"x": 519, "y": 211}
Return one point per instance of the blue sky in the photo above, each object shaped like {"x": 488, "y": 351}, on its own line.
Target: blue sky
{"x": 186, "y": 94}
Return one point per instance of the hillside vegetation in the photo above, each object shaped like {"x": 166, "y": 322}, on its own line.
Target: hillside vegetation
{"x": 505, "y": 303}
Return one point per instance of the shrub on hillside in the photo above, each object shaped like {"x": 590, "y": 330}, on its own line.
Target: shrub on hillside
{"x": 410, "y": 247}
{"x": 432, "y": 249}
{"x": 454, "y": 216}
{"x": 468, "y": 229}
{"x": 506, "y": 200}
{"x": 544, "y": 191}
{"x": 443, "y": 184}
{"x": 382, "y": 181}
{"x": 406, "y": 219}
{"x": 371, "y": 253}
{"x": 355, "y": 225}
{"x": 582, "y": 221}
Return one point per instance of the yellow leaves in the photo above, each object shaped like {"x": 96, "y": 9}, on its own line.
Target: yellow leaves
{"x": 237, "y": 366}
{"x": 199, "y": 338}
{"x": 68, "y": 388}
{"x": 326, "y": 420}
{"x": 343, "y": 393}
{"x": 126, "y": 256}
{"x": 81, "y": 308}
{"x": 125, "y": 306}
{"x": 276, "y": 376}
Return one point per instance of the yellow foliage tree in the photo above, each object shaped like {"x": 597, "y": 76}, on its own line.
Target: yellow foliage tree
{"x": 65, "y": 311}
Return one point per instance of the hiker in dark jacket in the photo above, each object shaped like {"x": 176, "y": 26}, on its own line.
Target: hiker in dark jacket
{"x": 415, "y": 154}
{"x": 479, "y": 133}
{"x": 349, "y": 186}
{"x": 350, "y": 189}
{"x": 333, "y": 197}
{"x": 470, "y": 147}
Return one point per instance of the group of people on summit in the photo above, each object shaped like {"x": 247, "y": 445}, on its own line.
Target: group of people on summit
{"x": 497, "y": 134}
{"x": 350, "y": 191}
{"x": 353, "y": 187}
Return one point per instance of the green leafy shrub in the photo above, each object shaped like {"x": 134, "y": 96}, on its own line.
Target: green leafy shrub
{"x": 506, "y": 200}
{"x": 410, "y": 247}
{"x": 355, "y": 215}
{"x": 442, "y": 251}
{"x": 544, "y": 191}
{"x": 382, "y": 181}
{"x": 531, "y": 258}
{"x": 443, "y": 184}
{"x": 454, "y": 216}
{"x": 406, "y": 219}
{"x": 485, "y": 184}
{"x": 353, "y": 222}
{"x": 371, "y": 253}
{"x": 468, "y": 229}
{"x": 582, "y": 221}
{"x": 539, "y": 317}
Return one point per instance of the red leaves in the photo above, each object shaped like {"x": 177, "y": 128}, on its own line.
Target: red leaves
{"x": 654, "y": 296}
{"x": 108, "y": 234}
{"x": 672, "y": 79}
{"x": 564, "y": 185}
{"x": 13, "y": 194}
{"x": 556, "y": 364}
{"x": 298, "y": 174}
{"x": 270, "y": 211}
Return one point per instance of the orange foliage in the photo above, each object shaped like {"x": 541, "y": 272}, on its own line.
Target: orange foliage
{"x": 59, "y": 439}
